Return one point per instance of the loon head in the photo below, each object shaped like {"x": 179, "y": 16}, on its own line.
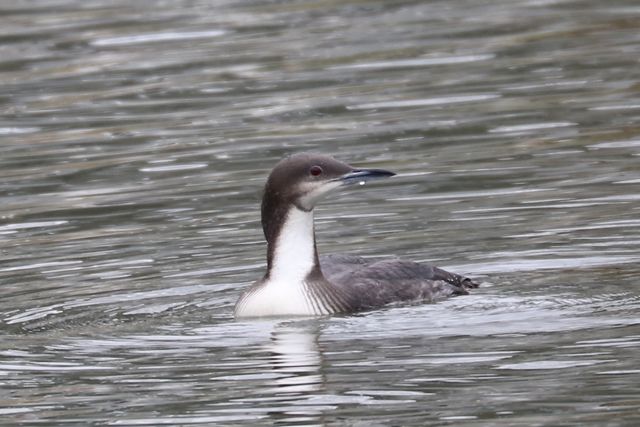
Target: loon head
{"x": 301, "y": 181}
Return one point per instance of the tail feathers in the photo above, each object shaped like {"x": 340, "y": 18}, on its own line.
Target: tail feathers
{"x": 468, "y": 283}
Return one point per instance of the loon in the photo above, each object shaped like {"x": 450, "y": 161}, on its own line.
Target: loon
{"x": 300, "y": 283}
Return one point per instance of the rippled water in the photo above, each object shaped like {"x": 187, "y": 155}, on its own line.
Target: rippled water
{"x": 136, "y": 137}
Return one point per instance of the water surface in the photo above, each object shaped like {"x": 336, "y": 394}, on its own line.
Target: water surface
{"x": 136, "y": 137}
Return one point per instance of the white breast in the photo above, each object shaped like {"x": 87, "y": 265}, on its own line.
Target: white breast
{"x": 279, "y": 299}
{"x": 285, "y": 292}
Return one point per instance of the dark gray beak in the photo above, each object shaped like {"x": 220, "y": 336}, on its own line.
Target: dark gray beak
{"x": 362, "y": 175}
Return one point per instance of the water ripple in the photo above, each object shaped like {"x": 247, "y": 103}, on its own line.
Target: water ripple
{"x": 445, "y": 100}
{"x": 421, "y": 62}
{"x": 157, "y": 37}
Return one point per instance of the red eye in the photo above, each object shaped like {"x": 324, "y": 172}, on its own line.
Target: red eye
{"x": 315, "y": 170}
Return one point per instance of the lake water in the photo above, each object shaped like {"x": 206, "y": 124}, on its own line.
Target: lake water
{"x": 136, "y": 137}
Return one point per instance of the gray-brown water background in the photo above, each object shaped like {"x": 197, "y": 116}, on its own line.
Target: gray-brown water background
{"x": 135, "y": 138}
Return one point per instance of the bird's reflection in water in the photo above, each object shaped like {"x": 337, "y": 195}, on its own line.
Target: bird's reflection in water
{"x": 295, "y": 357}
{"x": 294, "y": 362}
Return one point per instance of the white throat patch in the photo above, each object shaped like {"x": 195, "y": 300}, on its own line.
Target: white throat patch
{"x": 294, "y": 256}
{"x": 285, "y": 292}
{"x": 315, "y": 191}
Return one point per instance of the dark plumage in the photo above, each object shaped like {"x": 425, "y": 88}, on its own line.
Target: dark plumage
{"x": 380, "y": 282}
